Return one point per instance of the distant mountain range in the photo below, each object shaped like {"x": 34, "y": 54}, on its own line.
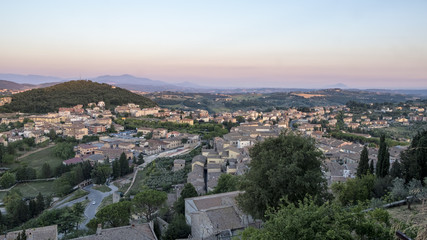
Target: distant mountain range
{"x": 23, "y": 82}
{"x": 30, "y": 79}
{"x": 4, "y": 84}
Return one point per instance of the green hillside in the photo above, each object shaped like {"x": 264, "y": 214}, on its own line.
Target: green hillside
{"x": 71, "y": 93}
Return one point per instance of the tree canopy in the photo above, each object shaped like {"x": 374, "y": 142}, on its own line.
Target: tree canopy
{"x": 287, "y": 166}
{"x": 68, "y": 94}
{"x": 226, "y": 183}
{"x": 307, "y": 220}
{"x": 113, "y": 215}
{"x": 187, "y": 192}
{"x": 148, "y": 201}
{"x": 414, "y": 159}
{"x": 383, "y": 163}
{"x": 363, "y": 167}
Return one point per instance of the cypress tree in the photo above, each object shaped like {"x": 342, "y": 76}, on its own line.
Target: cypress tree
{"x": 363, "y": 167}
{"x": 116, "y": 168}
{"x": 396, "y": 170}
{"x": 383, "y": 163}
{"x": 371, "y": 167}
{"x": 32, "y": 208}
{"x": 124, "y": 165}
{"x": 40, "y": 203}
{"x": 46, "y": 170}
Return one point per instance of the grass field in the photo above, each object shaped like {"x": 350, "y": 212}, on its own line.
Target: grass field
{"x": 106, "y": 201}
{"x": 33, "y": 188}
{"x": 78, "y": 194}
{"x": 102, "y": 188}
{"x": 415, "y": 217}
{"x": 37, "y": 159}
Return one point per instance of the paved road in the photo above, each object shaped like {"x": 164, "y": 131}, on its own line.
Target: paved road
{"x": 91, "y": 209}
{"x": 97, "y": 196}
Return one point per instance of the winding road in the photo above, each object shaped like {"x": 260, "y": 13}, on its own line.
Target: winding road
{"x": 90, "y": 210}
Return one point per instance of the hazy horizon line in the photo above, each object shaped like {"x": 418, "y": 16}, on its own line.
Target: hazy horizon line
{"x": 202, "y": 86}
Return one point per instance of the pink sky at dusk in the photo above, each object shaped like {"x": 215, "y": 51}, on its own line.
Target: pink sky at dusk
{"x": 362, "y": 44}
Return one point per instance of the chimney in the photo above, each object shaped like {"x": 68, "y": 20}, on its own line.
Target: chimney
{"x": 99, "y": 229}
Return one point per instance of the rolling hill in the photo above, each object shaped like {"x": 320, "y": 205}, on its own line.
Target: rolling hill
{"x": 49, "y": 99}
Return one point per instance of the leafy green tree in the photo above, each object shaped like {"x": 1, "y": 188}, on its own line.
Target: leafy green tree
{"x": 77, "y": 174}
{"x": 396, "y": 170}
{"x": 46, "y": 171}
{"x": 78, "y": 210}
{"x": 187, "y": 192}
{"x": 177, "y": 229}
{"x": 32, "y": 208}
{"x": 116, "y": 169}
{"x": 307, "y": 220}
{"x": 414, "y": 159}
{"x": 18, "y": 209}
{"x": 354, "y": 190}
{"x": 2, "y": 223}
{"x": 40, "y": 203}
{"x": 399, "y": 190}
{"x": 64, "y": 150}
{"x": 67, "y": 221}
{"x": 371, "y": 167}
{"x": 148, "y": 201}
{"x": 25, "y": 173}
{"x": 86, "y": 169}
{"x": 363, "y": 167}
{"x": 287, "y": 166}
{"x": 226, "y": 183}
{"x": 382, "y": 186}
{"x": 7, "y": 180}
{"x": 149, "y": 135}
{"x": 383, "y": 163}
{"x": 100, "y": 173}
{"x": 240, "y": 119}
{"x": 61, "y": 169}
{"x": 124, "y": 164}
{"x": 29, "y": 141}
{"x": 48, "y": 200}
{"x": 340, "y": 121}
{"x": 22, "y": 235}
{"x": 140, "y": 159}
{"x": 112, "y": 129}
{"x": 113, "y": 215}
{"x": 2, "y": 152}
{"x": 52, "y": 134}
{"x": 62, "y": 186}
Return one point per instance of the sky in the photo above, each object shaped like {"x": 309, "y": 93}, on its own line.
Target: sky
{"x": 221, "y": 43}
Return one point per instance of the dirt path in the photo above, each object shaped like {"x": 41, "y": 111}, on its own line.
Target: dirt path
{"x": 37, "y": 150}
